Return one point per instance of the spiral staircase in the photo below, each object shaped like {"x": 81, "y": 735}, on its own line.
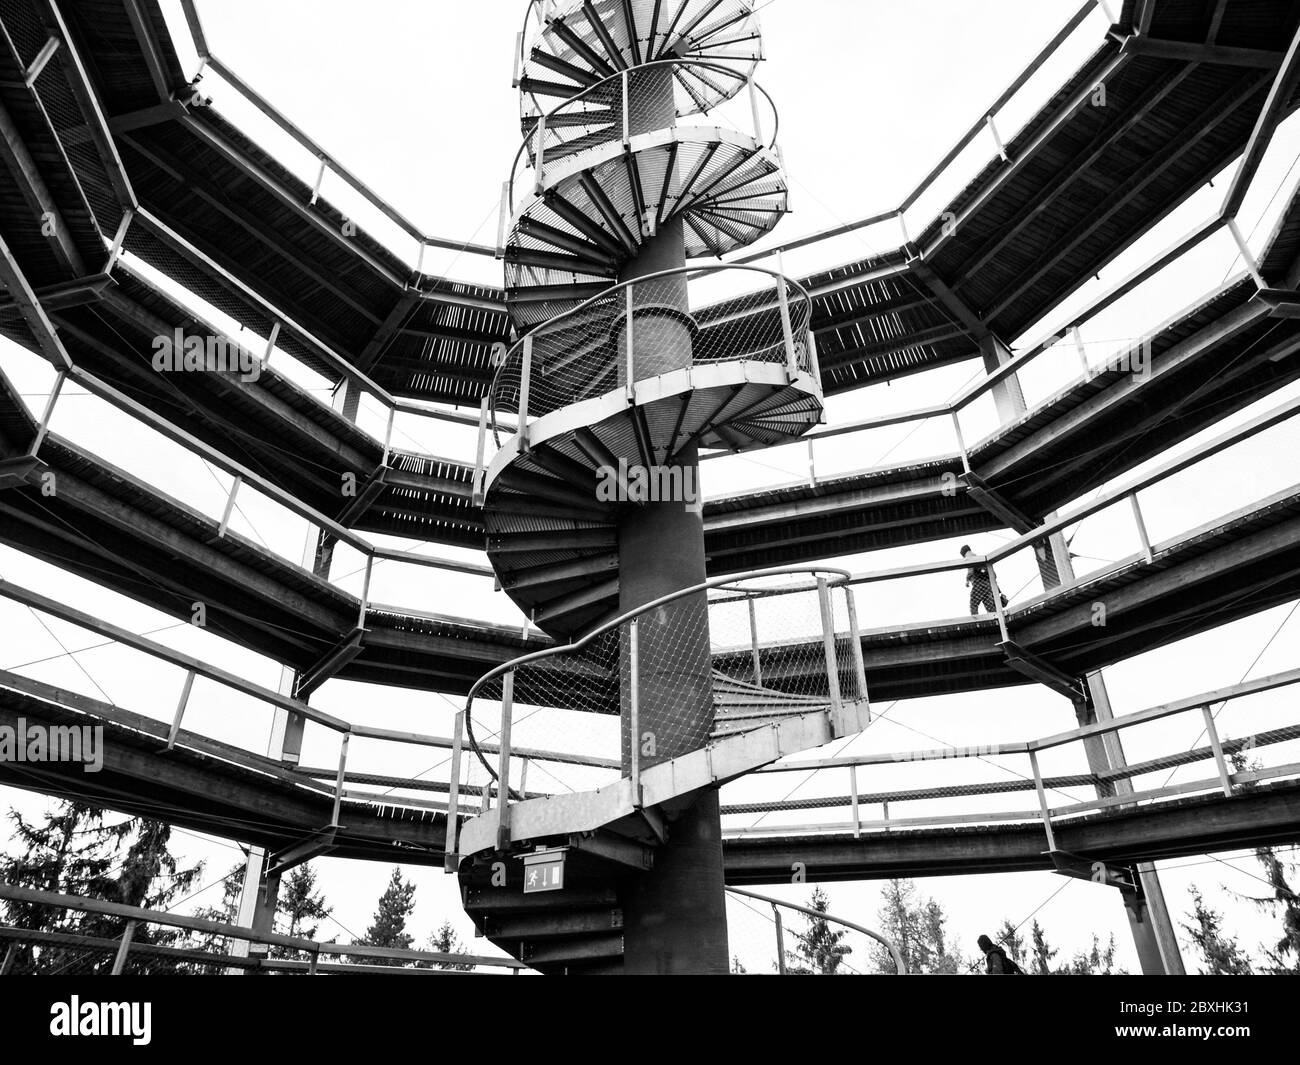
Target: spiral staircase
{"x": 619, "y": 101}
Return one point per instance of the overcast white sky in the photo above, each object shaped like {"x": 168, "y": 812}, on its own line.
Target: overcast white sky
{"x": 415, "y": 98}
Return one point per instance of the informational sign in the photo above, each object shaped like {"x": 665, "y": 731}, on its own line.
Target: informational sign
{"x": 544, "y": 871}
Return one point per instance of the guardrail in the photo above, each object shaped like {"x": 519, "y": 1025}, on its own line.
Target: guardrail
{"x": 328, "y": 164}
{"x": 121, "y": 949}
{"x": 1109, "y": 772}
{"x": 986, "y": 125}
{"x": 606, "y": 113}
{"x": 591, "y": 349}
{"x": 568, "y": 691}
{"x": 778, "y": 926}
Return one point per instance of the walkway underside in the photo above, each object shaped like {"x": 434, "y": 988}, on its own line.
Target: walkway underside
{"x": 1082, "y": 182}
{"x": 1267, "y": 816}
{"x": 119, "y": 533}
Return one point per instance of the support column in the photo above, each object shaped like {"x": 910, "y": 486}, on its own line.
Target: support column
{"x": 674, "y": 915}
{"x": 1148, "y": 916}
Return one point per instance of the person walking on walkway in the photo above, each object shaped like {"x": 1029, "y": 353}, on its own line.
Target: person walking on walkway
{"x": 980, "y": 584}
{"x": 996, "y": 960}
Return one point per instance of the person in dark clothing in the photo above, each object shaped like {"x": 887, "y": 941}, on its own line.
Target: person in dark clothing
{"x": 981, "y": 586}
{"x": 996, "y": 959}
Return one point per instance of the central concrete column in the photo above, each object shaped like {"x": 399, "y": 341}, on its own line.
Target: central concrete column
{"x": 674, "y": 915}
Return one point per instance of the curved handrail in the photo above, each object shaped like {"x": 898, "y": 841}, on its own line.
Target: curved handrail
{"x": 524, "y": 38}
{"x": 804, "y": 301}
{"x": 544, "y": 119}
{"x": 900, "y": 966}
{"x": 842, "y": 576}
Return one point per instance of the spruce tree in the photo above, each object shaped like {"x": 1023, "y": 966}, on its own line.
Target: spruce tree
{"x": 1222, "y": 956}
{"x": 820, "y": 951}
{"x": 301, "y": 907}
{"x": 1041, "y": 960}
{"x": 150, "y": 878}
{"x": 446, "y": 941}
{"x": 1012, "y": 941}
{"x": 388, "y": 927}
{"x": 1284, "y": 955}
{"x": 67, "y": 852}
{"x": 916, "y": 926}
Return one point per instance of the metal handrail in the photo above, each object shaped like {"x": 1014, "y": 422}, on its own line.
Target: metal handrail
{"x": 979, "y": 125}
{"x": 517, "y": 350}
{"x": 208, "y": 58}
{"x": 1224, "y": 780}
{"x": 900, "y": 966}
{"x": 542, "y": 120}
{"x": 841, "y": 578}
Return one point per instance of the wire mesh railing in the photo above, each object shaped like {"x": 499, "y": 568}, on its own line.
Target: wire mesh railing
{"x": 683, "y": 671}
{"x": 677, "y": 92}
{"x": 1225, "y": 746}
{"x": 632, "y": 330}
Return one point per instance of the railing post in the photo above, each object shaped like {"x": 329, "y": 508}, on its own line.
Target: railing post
{"x": 1042, "y": 799}
{"x": 997, "y": 601}
{"x": 503, "y": 216}
{"x": 388, "y": 435}
{"x": 634, "y": 710}
{"x": 855, "y": 648}
{"x": 11, "y": 956}
{"x": 753, "y": 643}
{"x": 124, "y": 948}
{"x": 450, "y": 860}
{"x": 627, "y": 110}
{"x": 523, "y": 779}
{"x": 997, "y": 139}
{"x": 320, "y": 177}
{"x": 270, "y": 343}
{"x": 180, "y": 710}
{"x": 525, "y": 383}
{"x": 828, "y": 646}
{"x": 812, "y": 465}
{"x": 1142, "y": 527}
{"x": 338, "y": 780}
{"x": 629, "y": 332}
{"x": 503, "y": 766}
{"x": 1212, "y": 730}
{"x": 44, "y": 427}
{"x": 853, "y": 787}
{"x": 884, "y": 812}
{"x": 961, "y": 441}
{"x": 780, "y": 941}
{"x": 479, "y": 471}
{"x": 787, "y": 329}
{"x": 753, "y": 105}
{"x": 230, "y": 506}
{"x": 1078, "y": 346}
{"x": 365, "y": 592}
{"x": 539, "y": 183}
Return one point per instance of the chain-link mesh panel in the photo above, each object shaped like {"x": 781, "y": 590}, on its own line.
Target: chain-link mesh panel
{"x": 584, "y": 353}
{"x": 706, "y": 665}
{"x": 71, "y": 127}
